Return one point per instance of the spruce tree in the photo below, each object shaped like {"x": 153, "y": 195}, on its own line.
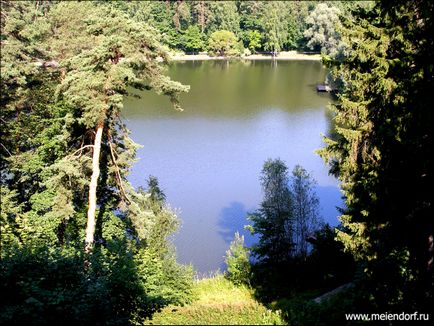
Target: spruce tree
{"x": 382, "y": 152}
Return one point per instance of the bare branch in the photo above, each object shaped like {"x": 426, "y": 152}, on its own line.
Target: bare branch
{"x": 6, "y": 149}
{"x": 118, "y": 174}
{"x": 80, "y": 149}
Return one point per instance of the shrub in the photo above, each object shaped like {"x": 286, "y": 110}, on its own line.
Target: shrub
{"x": 237, "y": 260}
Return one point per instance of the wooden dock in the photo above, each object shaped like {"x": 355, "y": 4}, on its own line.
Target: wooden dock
{"x": 323, "y": 88}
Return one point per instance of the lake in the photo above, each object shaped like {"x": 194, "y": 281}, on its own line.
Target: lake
{"x": 208, "y": 158}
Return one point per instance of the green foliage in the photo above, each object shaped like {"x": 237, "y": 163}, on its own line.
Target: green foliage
{"x": 163, "y": 278}
{"x": 157, "y": 195}
{"x": 224, "y": 16}
{"x": 238, "y": 261}
{"x": 218, "y": 302}
{"x": 223, "y": 43}
{"x": 254, "y": 40}
{"x": 274, "y": 24}
{"x": 295, "y": 34}
{"x": 12, "y": 220}
{"x": 322, "y": 33}
{"x": 274, "y": 220}
{"x": 192, "y": 40}
{"x": 280, "y": 24}
{"x": 99, "y": 75}
{"x": 329, "y": 264}
{"x": 289, "y": 214}
{"x": 67, "y": 67}
{"x": 295, "y": 253}
{"x": 305, "y": 209}
{"x": 201, "y": 14}
{"x": 49, "y": 286}
{"x": 382, "y": 152}
{"x": 303, "y": 310}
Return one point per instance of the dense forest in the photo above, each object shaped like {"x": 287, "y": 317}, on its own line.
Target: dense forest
{"x": 79, "y": 244}
{"x": 251, "y": 26}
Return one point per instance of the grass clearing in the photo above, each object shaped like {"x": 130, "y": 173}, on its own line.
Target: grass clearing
{"x": 218, "y": 302}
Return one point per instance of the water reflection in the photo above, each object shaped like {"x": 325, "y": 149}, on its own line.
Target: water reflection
{"x": 330, "y": 202}
{"x": 233, "y": 218}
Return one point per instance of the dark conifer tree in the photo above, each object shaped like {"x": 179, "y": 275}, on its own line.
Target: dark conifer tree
{"x": 383, "y": 150}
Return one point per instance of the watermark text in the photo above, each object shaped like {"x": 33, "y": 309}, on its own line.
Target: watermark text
{"x": 403, "y": 316}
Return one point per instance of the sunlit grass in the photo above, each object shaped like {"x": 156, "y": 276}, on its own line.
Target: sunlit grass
{"x": 218, "y": 290}
{"x": 218, "y": 302}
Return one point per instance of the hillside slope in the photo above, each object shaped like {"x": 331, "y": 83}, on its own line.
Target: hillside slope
{"x": 218, "y": 302}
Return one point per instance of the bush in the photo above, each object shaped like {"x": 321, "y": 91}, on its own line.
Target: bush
{"x": 237, "y": 260}
{"x": 46, "y": 286}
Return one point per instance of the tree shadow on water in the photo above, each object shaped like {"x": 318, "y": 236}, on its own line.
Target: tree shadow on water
{"x": 233, "y": 218}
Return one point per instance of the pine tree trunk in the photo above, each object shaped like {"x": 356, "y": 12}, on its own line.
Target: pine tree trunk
{"x": 90, "y": 228}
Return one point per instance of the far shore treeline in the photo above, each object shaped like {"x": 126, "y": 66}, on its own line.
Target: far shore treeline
{"x": 235, "y": 28}
{"x": 80, "y": 245}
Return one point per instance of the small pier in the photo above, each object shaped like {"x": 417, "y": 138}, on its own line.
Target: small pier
{"x": 323, "y": 88}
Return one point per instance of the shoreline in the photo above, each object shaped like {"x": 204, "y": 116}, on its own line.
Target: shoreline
{"x": 280, "y": 56}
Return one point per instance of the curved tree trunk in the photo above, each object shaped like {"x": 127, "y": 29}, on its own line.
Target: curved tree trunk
{"x": 90, "y": 228}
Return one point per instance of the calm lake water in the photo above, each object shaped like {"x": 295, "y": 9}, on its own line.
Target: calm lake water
{"x": 208, "y": 158}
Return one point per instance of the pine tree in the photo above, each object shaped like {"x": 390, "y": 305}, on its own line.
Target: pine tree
{"x": 224, "y": 16}
{"x": 201, "y": 14}
{"x": 100, "y": 63}
{"x": 36, "y": 132}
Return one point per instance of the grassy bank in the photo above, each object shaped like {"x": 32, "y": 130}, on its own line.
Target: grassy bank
{"x": 218, "y": 302}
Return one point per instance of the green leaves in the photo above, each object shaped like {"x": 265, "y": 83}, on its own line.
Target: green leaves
{"x": 193, "y": 39}
{"x": 223, "y": 43}
{"x": 322, "y": 33}
{"x": 238, "y": 261}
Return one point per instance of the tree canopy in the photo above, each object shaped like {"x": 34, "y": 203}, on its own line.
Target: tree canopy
{"x": 223, "y": 43}
{"x": 322, "y": 32}
{"x": 280, "y": 24}
{"x": 288, "y": 215}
